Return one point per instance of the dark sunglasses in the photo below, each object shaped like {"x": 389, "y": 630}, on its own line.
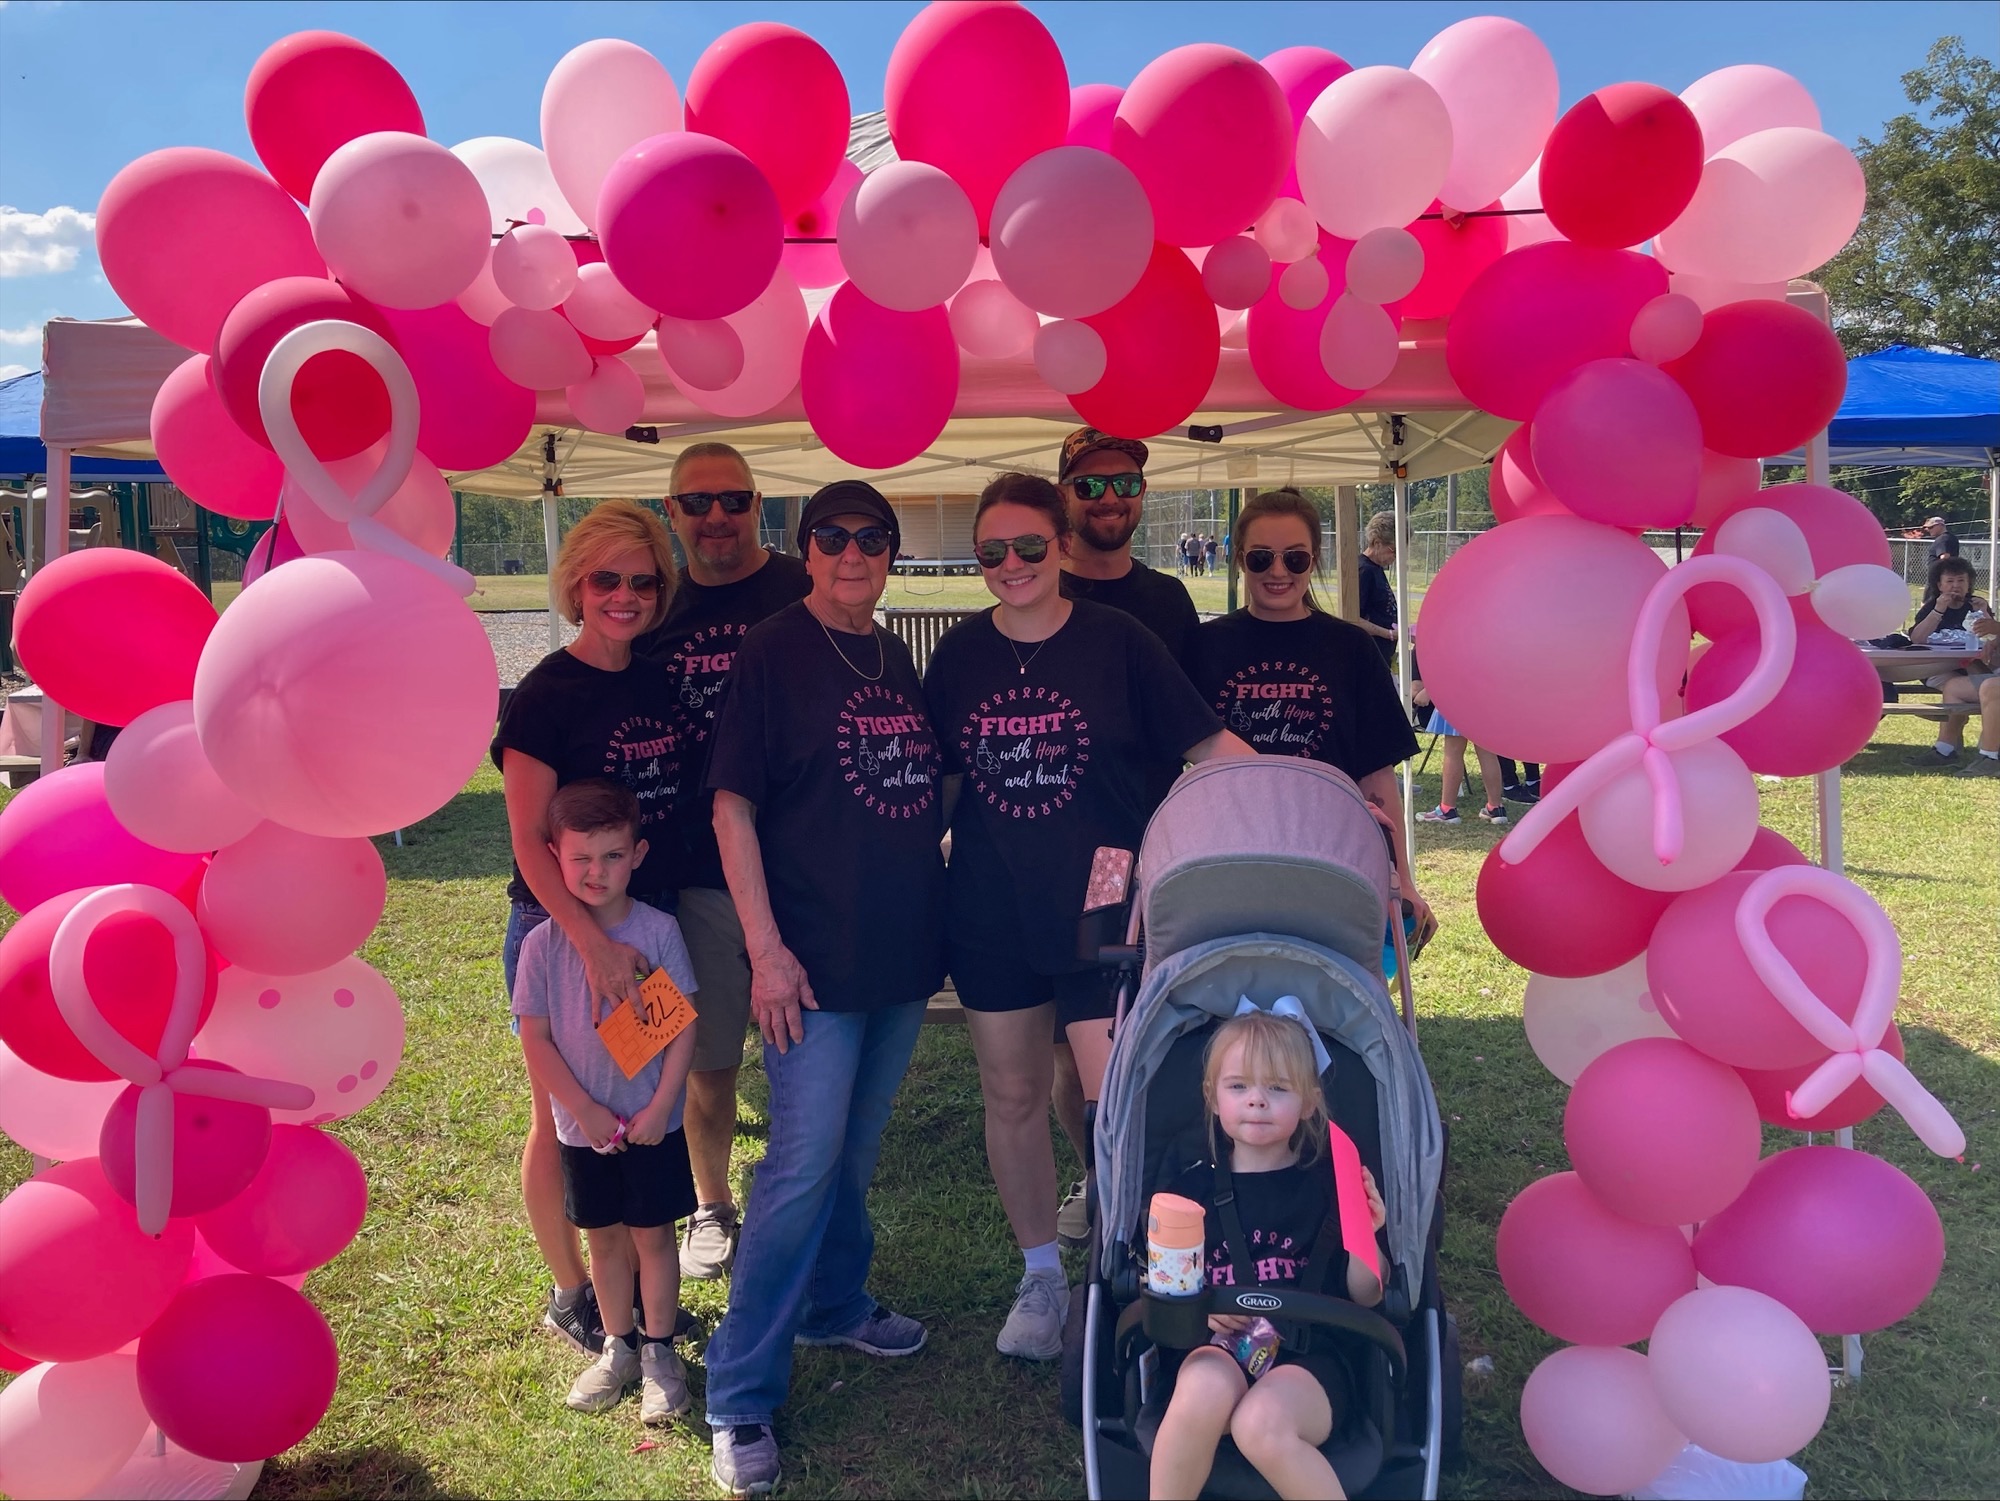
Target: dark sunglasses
{"x": 699, "y": 502}
{"x": 1260, "y": 559}
{"x": 832, "y": 540}
{"x": 604, "y": 581}
{"x": 1031, "y": 548}
{"x": 1092, "y": 486}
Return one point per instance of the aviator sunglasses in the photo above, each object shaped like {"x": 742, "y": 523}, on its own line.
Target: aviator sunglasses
{"x": 1260, "y": 559}
{"x": 605, "y": 581}
{"x": 700, "y": 502}
{"x": 1092, "y": 486}
{"x": 832, "y": 540}
{"x": 1031, "y": 547}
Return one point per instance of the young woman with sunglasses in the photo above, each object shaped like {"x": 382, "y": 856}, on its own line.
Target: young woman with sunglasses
{"x": 592, "y": 709}
{"x": 1295, "y": 681}
{"x": 1050, "y": 711}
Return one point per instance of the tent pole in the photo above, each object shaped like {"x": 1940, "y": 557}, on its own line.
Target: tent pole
{"x": 1403, "y": 659}
{"x": 1992, "y": 532}
{"x": 551, "y": 532}
{"x": 1229, "y": 543}
{"x": 55, "y": 521}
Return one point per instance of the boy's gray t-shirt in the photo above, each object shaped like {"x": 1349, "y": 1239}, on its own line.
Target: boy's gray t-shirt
{"x": 550, "y": 981}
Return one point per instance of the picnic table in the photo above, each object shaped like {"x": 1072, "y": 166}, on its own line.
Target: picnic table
{"x": 1912, "y": 664}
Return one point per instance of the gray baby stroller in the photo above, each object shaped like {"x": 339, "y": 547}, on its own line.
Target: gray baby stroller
{"x": 1264, "y": 878}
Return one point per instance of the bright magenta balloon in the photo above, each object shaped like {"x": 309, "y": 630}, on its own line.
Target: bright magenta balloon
{"x": 218, "y": 1147}
{"x": 1284, "y": 340}
{"x": 78, "y": 1277}
{"x": 472, "y": 416}
{"x": 976, "y": 88}
{"x": 1584, "y": 1274}
{"x": 238, "y": 1368}
{"x": 285, "y": 903}
{"x": 879, "y": 385}
{"x": 1839, "y": 531}
{"x": 819, "y": 265}
{"x": 1661, "y": 1134}
{"x": 1826, "y": 712}
{"x": 1302, "y": 74}
{"x": 1765, "y": 376}
{"x": 1740, "y": 1374}
{"x": 689, "y": 225}
{"x": 1162, "y": 347}
{"x": 314, "y": 91}
{"x": 204, "y": 452}
{"x": 340, "y": 403}
{"x": 160, "y": 786}
{"x": 1533, "y": 316}
{"x": 1209, "y": 136}
{"x": 1772, "y": 1089}
{"x": 1591, "y": 1417}
{"x": 1620, "y": 165}
{"x": 1514, "y": 486}
{"x": 1527, "y": 909}
{"x": 183, "y": 234}
{"x": 1092, "y": 108}
{"x": 59, "y": 834}
{"x": 1456, "y": 249}
{"x": 1619, "y": 443}
{"x": 338, "y": 1032}
{"x": 109, "y": 633}
{"x": 777, "y": 96}
{"x": 300, "y": 1211}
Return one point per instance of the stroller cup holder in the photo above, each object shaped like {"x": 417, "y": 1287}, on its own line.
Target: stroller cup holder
{"x": 1182, "y": 1323}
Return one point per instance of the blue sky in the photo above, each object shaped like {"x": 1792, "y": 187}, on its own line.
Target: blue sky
{"x": 86, "y": 87}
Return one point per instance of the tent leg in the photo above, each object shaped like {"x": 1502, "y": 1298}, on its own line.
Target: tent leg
{"x": 1404, "y": 613}
{"x": 551, "y": 541}
{"x": 1992, "y": 532}
{"x": 55, "y": 521}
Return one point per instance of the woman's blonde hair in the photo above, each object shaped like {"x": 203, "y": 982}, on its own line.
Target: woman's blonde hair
{"x": 610, "y": 528}
{"x": 1276, "y": 1050}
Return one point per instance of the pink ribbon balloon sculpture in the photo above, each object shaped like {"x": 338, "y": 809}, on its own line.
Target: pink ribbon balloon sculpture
{"x": 162, "y": 1076}
{"x": 1856, "y": 1046}
{"x": 303, "y": 467}
{"x": 1661, "y": 747}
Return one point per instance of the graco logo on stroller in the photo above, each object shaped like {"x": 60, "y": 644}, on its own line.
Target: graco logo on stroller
{"x": 1263, "y": 1302}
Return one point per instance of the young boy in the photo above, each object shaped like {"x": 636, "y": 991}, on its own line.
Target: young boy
{"x": 626, "y": 1178}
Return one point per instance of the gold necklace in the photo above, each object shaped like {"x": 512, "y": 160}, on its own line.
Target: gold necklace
{"x": 881, "y": 655}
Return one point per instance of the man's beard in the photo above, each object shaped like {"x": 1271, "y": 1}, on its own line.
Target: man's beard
{"x": 1107, "y": 533}
{"x": 720, "y": 553}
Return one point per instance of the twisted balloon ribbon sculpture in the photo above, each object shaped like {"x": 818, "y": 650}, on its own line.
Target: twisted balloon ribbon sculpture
{"x": 1652, "y": 743}
{"x": 163, "y": 1076}
{"x": 303, "y": 468}
{"x": 1856, "y": 1046}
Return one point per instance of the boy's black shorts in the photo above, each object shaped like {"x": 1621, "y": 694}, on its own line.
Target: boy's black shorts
{"x": 641, "y": 1186}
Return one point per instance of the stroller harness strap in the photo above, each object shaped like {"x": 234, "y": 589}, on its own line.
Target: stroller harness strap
{"x": 1325, "y": 1243}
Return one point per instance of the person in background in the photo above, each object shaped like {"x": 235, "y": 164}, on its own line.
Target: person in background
{"x": 1452, "y": 777}
{"x": 1944, "y": 542}
{"x": 1985, "y": 761}
{"x": 1208, "y": 553}
{"x": 1520, "y": 783}
{"x": 1377, "y": 599}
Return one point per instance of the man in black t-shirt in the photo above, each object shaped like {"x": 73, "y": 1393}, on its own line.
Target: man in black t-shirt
{"x": 1944, "y": 544}
{"x": 1103, "y": 479}
{"x": 1378, "y": 600}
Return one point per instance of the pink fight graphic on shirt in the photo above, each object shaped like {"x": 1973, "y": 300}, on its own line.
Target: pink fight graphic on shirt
{"x": 1279, "y": 708}
{"x": 644, "y": 754}
{"x": 888, "y": 755}
{"x": 1026, "y": 751}
{"x": 698, "y": 669}
{"x": 1275, "y": 1258}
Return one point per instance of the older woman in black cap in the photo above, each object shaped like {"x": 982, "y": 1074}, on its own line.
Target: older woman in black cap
{"x": 828, "y": 815}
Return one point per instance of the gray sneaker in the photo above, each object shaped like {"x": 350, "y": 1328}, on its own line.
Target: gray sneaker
{"x": 605, "y": 1380}
{"x": 1930, "y": 756}
{"x": 1073, "y": 1218}
{"x": 1034, "y": 1327}
{"x": 663, "y": 1383}
{"x": 882, "y": 1333}
{"x": 745, "y": 1461}
{"x": 1980, "y": 765}
{"x": 710, "y": 1246}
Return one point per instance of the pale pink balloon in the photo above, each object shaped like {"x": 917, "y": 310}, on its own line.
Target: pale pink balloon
{"x": 1303, "y": 285}
{"x": 602, "y": 98}
{"x": 908, "y": 236}
{"x": 689, "y": 225}
{"x": 285, "y": 903}
{"x": 1772, "y": 541}
{"x": 1072, "y": 232}
{"x": 1619, "y": 442}
{"x": 1592, "y": 1418}
{"x": 1709, "y": 292}
{"x": 707, "y": 355}
{"x": 1302, "y": 74}
{"x": 1385, "y": 265}
{"x": 818, "y": 265}
{"x": 519, "y": 187}
{"x": 991, "y": 323}
{"x": 160, "y": 786}
{"x": 1528, "y": 229}
{"x": 421, "y": 509}
{"x": 611, "y": 399}
{"x": 777, "y": 96}
{"x": 1286, "y": 230}
{"x": 1358, "y": 345}
{"x": 538, "y": 349}
{"x": 1571, "y": 1023}
{"x": 601, "y": 308}
{"x": 1070, "y": 356}
{"x": 1776, "y": 204}
{"x": 472, "y": 416}
{"x": 67, "y": 1429}
{"x": 483, "y": 301}
{"x": 1236, "y": 272}
{"x": 878, "y": 384}
{"x": 313, "y": 707}
{"x": 1862, "y": 600}
{"x": 1737, "y": 101}
{"x": 205, "y": 453}
{"x": 339, "y": 1032}
{"x": 1839, "y": 530}
{"x": 1726, "y": 483}
{"x": 533, "y": 267}
{"x": 1718, "y": 816}
{"x": 1373, "y": 150}
{"x": 1584, "y": 1274}
{"x": 1208, "y": 134}
{"x": 1498, "y": 84}
{"x": 772, "y": 331}
{"x": 1666, "y": 328}
{"x": 1092, "y": 108}
{"x": 1740, "y": 1374}
{"x": 400, "y": 220}
{"x": 54, "y": 1118}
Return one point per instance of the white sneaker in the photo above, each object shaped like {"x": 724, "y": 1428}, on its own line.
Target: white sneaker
{"x": 606, "y": 1380}
{"x": 1073, "y": 1218}
{"x": 1034, "y": 1327}
{"x": 663, "y": 1384}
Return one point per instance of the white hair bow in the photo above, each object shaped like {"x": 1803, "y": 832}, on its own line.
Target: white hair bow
{"x": 1289, "y": 1006}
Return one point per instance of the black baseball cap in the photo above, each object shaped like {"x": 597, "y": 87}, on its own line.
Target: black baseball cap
{"x": 848, "y": 497}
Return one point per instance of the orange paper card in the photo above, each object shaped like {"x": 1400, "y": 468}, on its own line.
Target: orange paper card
{"x": 637, "y": 1030}
{"x": 1357, "y": 1225}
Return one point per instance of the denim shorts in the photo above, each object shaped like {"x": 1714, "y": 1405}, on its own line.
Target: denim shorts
{"x": 522, "y": 919}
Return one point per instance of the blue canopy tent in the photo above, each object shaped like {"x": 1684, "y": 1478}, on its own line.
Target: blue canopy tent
{"x": 23, "y": 455}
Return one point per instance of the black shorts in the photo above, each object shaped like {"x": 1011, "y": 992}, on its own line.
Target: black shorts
{"x": 641, "y": 1186}
{"x": 989, "y": 981}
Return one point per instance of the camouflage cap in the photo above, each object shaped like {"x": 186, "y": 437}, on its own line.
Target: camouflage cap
{"x": 1087, "y": 440}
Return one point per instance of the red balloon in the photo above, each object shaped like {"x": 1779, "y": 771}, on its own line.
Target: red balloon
{"x": 1853, "y": 1105}
{"x": 1768, "y": 849}
{"x": 1514, "y": 486}
{"x": 1535, "y": 911}
{"x": 1765, "y": 377}
{"x": 1162, "y": 347}
{"x": 472, "y": 417}
{"x": 110, "y": 633}
{"x": 1584, "y": 1274}
{"x": 218, "y": 1147}
{"x": 314, "y": 91}
{"x": 1824, "y": 714}
{"x": 1620, "y": 165}
{"x": 1537, "y": 313}
{"x": 1284, "y": 341}
{"x": 1839, "y": 530}
{"x": 338, "y": 400}
{"x": 1456, "y": 249}
{"x": 300, "y": 1211}
{"x": 238, "y": 1368}
{"x": 15, "y": 1361}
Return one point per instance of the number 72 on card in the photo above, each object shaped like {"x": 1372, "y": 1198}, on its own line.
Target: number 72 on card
{"x": 638, "y": 1029}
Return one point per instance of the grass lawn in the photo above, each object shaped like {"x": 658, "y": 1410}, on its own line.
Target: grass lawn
{"x": 448, "y": 1388}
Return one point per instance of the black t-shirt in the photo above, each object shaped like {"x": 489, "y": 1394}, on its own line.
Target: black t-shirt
{"x": 1055, "y": 761}
{"x": 1313, "y": 687}
{"x": 581, "y": 721}
{"x": 697, "y": 644}
{"x": 844, "y": 775}
{"x": 1944, "y": 547}
{"x": 1281, "y": 1213}
{"x": 1158, "y": 601}
{"x": 1378, "y": 604}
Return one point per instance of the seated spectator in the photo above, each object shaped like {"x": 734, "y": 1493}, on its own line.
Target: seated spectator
{"x": 1985, "y": 760}
{"x": 1950, "y": 618}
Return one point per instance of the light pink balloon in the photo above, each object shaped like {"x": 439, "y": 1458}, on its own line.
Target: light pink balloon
{"x": 611, "y": 399}
{"x": 54, "y": 1118}
{"x": 285, "y": 903}
{"x": 276, "y": 546}
{"x": 1709, "y": 293}
{"x": 519, "y": 187}
{"x": 1092, "y": 107}
{"x": 1302, "y": 74}
{"x": 1839, "y": 530}
{"x": 161, "y": 787}
{"x": 400, "y": 220}
{"x": 1740, "y": 1375}
{"x": 1528, "y": 229}
{"x": 312, "y": 705}
{"x": 533, "y": 267}
{"x": 1284, "y": 342}
{"x": 991, "y": 323}
{"x": 1734, "y": 102}
{"x": 538, "y": 349}
{"x": 1358, "y": 345}
{"x": 1862, "y": 600}
{"x": 1726, "y": 483}
{"x": 819, "y": 265}
{"x": 204, "y": 452}
{"x": 421, "y": 510}
{"x": 1772, "y": 541}
{"x": 878, "y": 384}
{"x": 1666, "y": 328}
{"x": 1373, "y": 150}
{"x": 1583, "y": 1273}
{"x": 1236, "y": 272}
{"x": 601, "y": 308}
{"x": 689, "y": 225}
{"x": 777, "y": 96}
{"x": 707, "y": 355}
{"x": 908, "y": 236}
{"x": 1304, "y": 284}
{"x": 1776, "y": 204}
{"x": 1572, "y": 1022}
{"x": 602, "y": 98}
{"x": 472, "y": 416}
{"x": 1498, "y": 84}
{"x": 1286, "y": 230}
{"x": 1619, "y": 442}
{"x": 1592, "y": 1418}
{"x": 772, "y": 331}
{"x": 1070, "y": 356}
{"x": 339, "y": 1032}
{"x": 1072, "y": 232}
{"x": 1386, "y": 264}
{"x": 483, "y": 301}
{"x": 67, "y": 1429}
{"x": 1718, "y": 800}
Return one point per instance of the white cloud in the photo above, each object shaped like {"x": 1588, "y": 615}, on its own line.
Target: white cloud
{"x": 43, "y": 244}
{"x": 8, "y": 372}
{"x": 27, "y": 333}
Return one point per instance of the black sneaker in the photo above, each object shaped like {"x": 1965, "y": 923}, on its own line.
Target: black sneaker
{"x": 581, "y": 1327}
{"x": 1521, "y": 792}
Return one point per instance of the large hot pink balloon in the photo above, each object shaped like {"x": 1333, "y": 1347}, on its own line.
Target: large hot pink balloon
{"x": 1584, "y": 1274}
{"x": 1528, "y": 909}
{"x": 183, "y": 234}
{"x": 1661, "y": 1134}
{"x": 1092, "y": 108}
{"x": 78, "y": 1277}
{"x": 1534, "y": 315}
{"x": 1826, "y": 712}
{"x": 1456, "y": 247}
{"x": 300, "y": 1211}
{"x": 1740, "y": 1374}
{"x": 109, "y": 633}
{"x": 338, "y": 1032}
{"x": 206, "y": 453}
{"x": 472, "y": 416}
{"x": 1619, "y": 443}
{"x": 238, "y": 1368}
{"x": 339, "y": 402}
{"x": 879, "y": 385}
{"x": 1302, "y": 74}
{"x": 60, "y": 833}
{"x": 1210, "y": 138}
{"x": 1772, "y": 1090}
{"x": 314, "y": 91}
{"x": 818, "y": 265}
{"x": 285, "y": 903}
{"x": 777, "y": 96}
{"x": 1839, "y": 531}
{"x": 160, "y": 786}
{"x": 1161, "y": 347}
{"x": 1072, "y": 232}
{"x": 1284, "y": 341}
{"x": 218, "y": 1146}
{"x": 976, "y": 87}
{"x": 689, "y": 225}
{"x": 1591, "y": 1417}
{"x": 1498, "y": 83}
{"x": 314, "y": 708}
{"x": 1765, "y": 376}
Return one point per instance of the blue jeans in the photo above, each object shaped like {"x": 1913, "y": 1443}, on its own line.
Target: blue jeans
{"x": 522, "y": 919}
{"x": 802, "y": 1262}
